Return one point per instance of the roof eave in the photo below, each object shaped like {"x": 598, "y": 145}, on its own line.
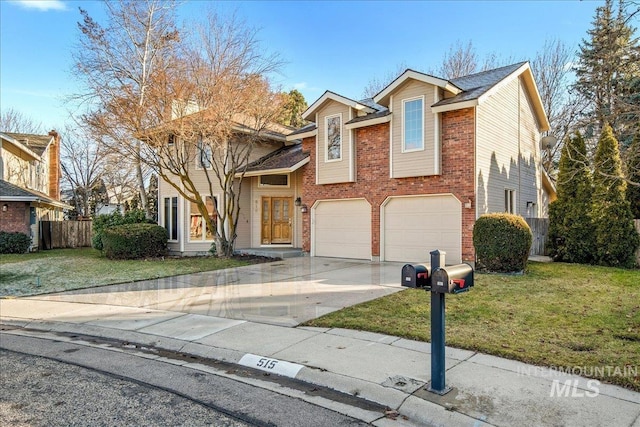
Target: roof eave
{"x": 275, "y": 171}
{"x": 300, "y": 136}
{"x": 35, "y": 199}
{"x": 309, "y": 114}
{"x": 371, "y": 122}
{"x": 455, "y": 106}
{"x": 21, "y": 146}
{"x": 383, "y": 96}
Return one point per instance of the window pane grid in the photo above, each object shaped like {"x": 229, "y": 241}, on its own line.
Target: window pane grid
{"x": 413, "y": 131}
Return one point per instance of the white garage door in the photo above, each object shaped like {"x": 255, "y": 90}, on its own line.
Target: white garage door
{"x": 342, "y": 229}
{"x": 415, "y": 226}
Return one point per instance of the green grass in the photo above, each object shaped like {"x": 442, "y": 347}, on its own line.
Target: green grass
{"x": 558, "y": 315}
{"x": 66, "y": 269}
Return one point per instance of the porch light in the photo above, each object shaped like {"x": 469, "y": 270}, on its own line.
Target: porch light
{"x": 5, "y": 207}
{"x": 304, "y": 209}
{"x": 298, "y": 202}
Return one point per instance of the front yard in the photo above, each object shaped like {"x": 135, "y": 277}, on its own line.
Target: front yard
{"x": 557, "y": 315}
{"x": 66, "y": 269}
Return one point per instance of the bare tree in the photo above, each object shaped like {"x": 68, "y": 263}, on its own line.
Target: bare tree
{"x": 377, "y": 83}
{"x": 119, "y": 64}
{"x": 12, "y": 120}
{"x": 82, "y": 162}
{"x": 460, "y": 60}
{"x": 221, "y": 105}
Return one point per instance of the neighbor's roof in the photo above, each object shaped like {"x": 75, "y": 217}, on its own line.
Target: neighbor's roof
{"x": 285, "y": 160}
{"x": 37, "y": 143}
{"x": 12, "y": 193}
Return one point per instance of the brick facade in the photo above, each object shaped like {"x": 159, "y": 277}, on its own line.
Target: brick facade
{"x": 373, "y": 182}
{"x": 16, "y": 217}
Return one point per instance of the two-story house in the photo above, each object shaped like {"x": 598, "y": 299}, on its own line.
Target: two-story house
{"x": 409, "y": 171}
{"x": 29, "y": 182}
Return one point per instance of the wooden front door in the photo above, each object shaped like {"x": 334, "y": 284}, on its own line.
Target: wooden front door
{"x": 277, "y": 220}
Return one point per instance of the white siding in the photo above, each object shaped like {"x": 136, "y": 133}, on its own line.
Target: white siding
{"x": 508, "y": 156}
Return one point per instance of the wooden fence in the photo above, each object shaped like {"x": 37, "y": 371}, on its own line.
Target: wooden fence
{"x": 540, "y": 229}
{"x": 64, "y": 234}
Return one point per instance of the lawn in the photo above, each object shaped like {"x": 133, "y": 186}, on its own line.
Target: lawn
{"x": 556, "y": 315}
{"x": 65, "y": 269}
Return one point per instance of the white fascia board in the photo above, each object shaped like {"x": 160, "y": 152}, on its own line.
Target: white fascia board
{"x": 276, "y": 171}
{"x": 425, "y": 78}
{"x": 454, "y": 106}
{"x": 364, "y": 123}
{"x": 20, "y": 146}
{"x": 300, "y": 136}
{"x": 35, "y": 199}
{"x": 502, "y": 83}
{"x": 328, "y": 95}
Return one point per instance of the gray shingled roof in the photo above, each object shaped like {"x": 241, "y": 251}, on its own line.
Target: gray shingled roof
{"x": 285, "y": 157}
{"x": 306, "y": 128}
{"x": 9, "y": 190}
{"x": 37, "y": 143}
{"x": 371, "y": 116}
{"x": 476, "y": 85}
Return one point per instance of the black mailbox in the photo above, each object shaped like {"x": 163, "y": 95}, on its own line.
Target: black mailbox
{"x": 452, "y": 279}
{"x": 416, "y": 276}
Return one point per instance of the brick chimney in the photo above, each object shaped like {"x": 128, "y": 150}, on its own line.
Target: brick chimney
{"x": 54, "y": 166}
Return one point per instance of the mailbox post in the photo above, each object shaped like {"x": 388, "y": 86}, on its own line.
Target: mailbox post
{"x": 437, "y": 384}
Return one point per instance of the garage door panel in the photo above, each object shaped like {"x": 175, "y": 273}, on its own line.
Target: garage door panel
{"x": 343, "y": 229}
{"x": 414, "y": 226}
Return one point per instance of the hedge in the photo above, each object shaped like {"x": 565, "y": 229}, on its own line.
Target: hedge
{"x": 132, "y": 241}
{"x": 502, "y": 242}
{"x": 14, "y": 243}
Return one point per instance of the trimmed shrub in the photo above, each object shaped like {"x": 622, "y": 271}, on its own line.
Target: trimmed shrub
{"x": 14, "y": 243}
{"x": 101, "y": 222}
{"x": 132, "y": 241}
{"x": 502, "y": 242}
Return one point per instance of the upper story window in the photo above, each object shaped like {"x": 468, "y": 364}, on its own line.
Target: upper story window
{"x": 333, "y": 129}
{"x": 204, "y": 154}
{"x": 274, "y": 180}
{"x": 413, "y": 124}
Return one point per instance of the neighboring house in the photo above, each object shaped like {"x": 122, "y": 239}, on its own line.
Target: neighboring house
{"x": 268, "y": 217}
{"x": 409, "y": 171}
{"x": 29, "y": 182}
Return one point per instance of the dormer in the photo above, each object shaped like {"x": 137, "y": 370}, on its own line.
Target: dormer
{"x": 335, "y": 153}
{"x": 415, "y": 148}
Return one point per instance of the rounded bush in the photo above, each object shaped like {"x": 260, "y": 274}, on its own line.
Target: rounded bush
{"x": 14, "y": 243}
{"x": 502, "y": 242}
{"x": 132, "y": 241}
{"x": 101, "y": 222}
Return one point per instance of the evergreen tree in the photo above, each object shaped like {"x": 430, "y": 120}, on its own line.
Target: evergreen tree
{"x": 571, "y": 236}
{"x": 294, "y": 106}
{"x": 633, "y": 175}
{"x": 616, "y": 236}
{"x": 608, "y": 66}
{"x": 152, "y": 194}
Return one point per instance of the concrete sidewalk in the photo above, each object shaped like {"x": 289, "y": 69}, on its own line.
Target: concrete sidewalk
{"x": 383, "y": 369}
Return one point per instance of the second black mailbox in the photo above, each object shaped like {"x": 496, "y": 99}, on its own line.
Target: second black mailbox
{"x": 452, "y": 279}
{"x": 416, "y": 276}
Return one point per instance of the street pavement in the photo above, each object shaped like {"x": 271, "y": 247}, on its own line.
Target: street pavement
{"x": 249, "y": 316}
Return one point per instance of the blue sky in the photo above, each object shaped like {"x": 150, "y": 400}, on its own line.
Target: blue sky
{"x": 334, "y": 45}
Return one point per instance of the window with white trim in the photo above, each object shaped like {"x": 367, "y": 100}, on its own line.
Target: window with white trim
{"x": 413, "y": 124}
{"x": 510, "y": 201}
{"x": 204, "y": 154}
{"x": 279, "y": 180}
{"x": 198, "y": 229}
{"x": 333, "y": 135}
{"x": 171, "y": 217}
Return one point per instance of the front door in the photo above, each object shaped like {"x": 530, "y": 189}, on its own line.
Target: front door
{"x": 277, "y": 220}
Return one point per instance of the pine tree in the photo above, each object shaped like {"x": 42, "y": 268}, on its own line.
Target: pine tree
{"x": 152, "y": 193}
{"x": 616, "y": 236}
{"x": 608, "y": 65}
{"x": 570, "y": 230}
{"x": 293, "y": 108}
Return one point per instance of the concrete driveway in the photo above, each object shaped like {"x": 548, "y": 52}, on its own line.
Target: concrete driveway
{"x": 284, "y": 293}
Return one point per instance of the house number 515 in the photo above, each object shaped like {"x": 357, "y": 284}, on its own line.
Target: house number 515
{"x": 267, "y": 363}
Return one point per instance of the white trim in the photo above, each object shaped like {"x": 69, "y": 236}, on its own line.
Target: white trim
{"x": 437, "y": 161}
{"x": 502, "y": 83}
{"x": 391, "y": 137}
{"x": 261, "y": 185}
{"x": 410, "y": 74}
{"x": 371, "y": 122}
{"x": 317, "y": 156}
{"x": 290, "y": 169}
{"x": 20, "y": 146}
{"x": 328, "y": 95}
{"x": 402, "y": 135}
{"x": 303, "y": 135}
{"x": 455, "y": 106}
{"x": 351, "y": 157}
{"x": 326, "y": 138}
